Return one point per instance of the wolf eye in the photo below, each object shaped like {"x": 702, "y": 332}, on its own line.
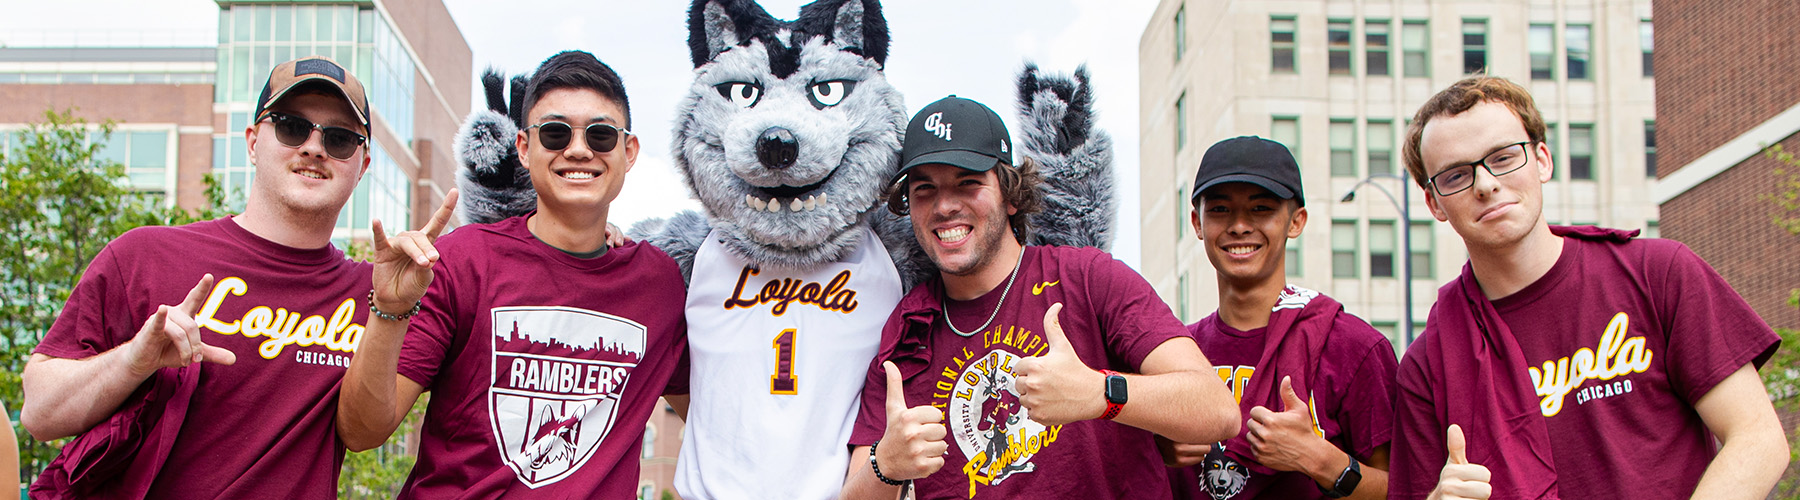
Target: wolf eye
{"x": 827, "y": 94}
{"x": 742, "y": 94}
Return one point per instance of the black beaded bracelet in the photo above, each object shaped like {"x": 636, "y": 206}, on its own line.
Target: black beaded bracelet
{"x": 877, "y": 467}
{"x": 390, "y": 317}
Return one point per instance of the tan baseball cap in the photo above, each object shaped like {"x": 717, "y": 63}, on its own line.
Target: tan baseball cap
{"x": 314, "y": 70}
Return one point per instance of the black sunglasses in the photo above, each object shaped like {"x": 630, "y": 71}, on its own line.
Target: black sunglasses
{"x": 601, "y": 137}
{"x": 293, "y": 131}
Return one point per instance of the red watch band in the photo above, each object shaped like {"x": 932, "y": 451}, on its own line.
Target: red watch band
{"x": 1112, "y": 409}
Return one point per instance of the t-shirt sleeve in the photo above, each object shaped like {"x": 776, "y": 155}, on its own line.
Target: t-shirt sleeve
{"x": 1711, "y": 330}
{"x": 1416, "y": 455}
{"x": 1135, "y": 319}
{"x": 1367, "y": 414}
{"x": 97, "y": 317}
{"x": 429, "y": 337}
{"x": 678, "y": 379}
{"x": 871, "y": 416}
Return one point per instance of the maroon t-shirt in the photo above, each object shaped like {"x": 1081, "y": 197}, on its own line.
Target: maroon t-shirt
{"x": 1622, "y": 339}
{"x": 1112, "y": 318}
{"x": 543, "y": 367}
{"x": 265, "y": 426}
{"x": 1351, "y": 401}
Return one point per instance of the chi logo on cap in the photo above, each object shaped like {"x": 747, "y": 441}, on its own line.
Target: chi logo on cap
{"x": 937, "y": 126}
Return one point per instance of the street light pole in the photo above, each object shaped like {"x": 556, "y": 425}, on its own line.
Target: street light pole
{"x": 1402, "y": 205}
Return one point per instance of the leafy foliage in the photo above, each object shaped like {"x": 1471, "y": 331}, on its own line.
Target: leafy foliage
{"x": 1781, "y": 375}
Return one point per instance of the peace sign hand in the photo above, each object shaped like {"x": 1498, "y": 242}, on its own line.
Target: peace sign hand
{"x": 170, "y": 338}
{"x": 403, "y": 263}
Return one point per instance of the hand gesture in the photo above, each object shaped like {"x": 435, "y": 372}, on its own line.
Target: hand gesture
{"x": 1461, "y": 479}
{"x": 1285, "y": 441}
{"x": 403, "y": 263}
{"x": 913, "y": 446}
{"x": 1181, "y": 454}
{"x": 614, "y": 237}
{"x": 171, "y": 338}
{"x": 1057, "y": 388}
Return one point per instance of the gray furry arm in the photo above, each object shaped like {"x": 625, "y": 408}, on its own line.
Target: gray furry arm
{"x": 1075, "y": 159}
{"x": 679, "y": 236}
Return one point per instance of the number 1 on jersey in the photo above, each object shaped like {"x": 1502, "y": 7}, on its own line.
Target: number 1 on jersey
{"x": 783, "y": 381}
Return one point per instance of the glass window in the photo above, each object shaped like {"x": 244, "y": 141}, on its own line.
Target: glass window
{"x": 149, "y": 149}
{"x": 1181, "y": 223}
{"x": 1650, "y": 148}
{"x": 1281, "y": 44}
{"x": 1293, "y": 261}
{"x": 1343, "y": 145}
{"x": 1337, "y": 43}
{"x": 1286, "y": 130}
{"x": 303, "y": 22}
{"x": 1375, "y": 47}
{"x": 264, "y": 22}
{"x": 1649, "y": 43}
{"x": 1180, "y": 32}
{"x": 1652, "y": 229}
{"x": 326, "y": 21}
{"x": 1580, "y": 51}
{"x": 284, "y": 23}
{"x": 1343, "y": 249}
{"x": 1474, "y": 45}
{"x": 112, "y": 148}
{"x": 1382, "y": 241}
{"x": 346, "y": 24}
{"x": 1181, "y": 297}
{"x": 1381, "y": 147}
{"x": 1180, "y": 122}
{"x": 1422, "y": 246}
{"x": 1581, "y": 152}
{"x": 1542, "y": 41}
{"x": 1415, "y": 43}
{"x": 649, "y": 448}
{"x": 241, "y": 18}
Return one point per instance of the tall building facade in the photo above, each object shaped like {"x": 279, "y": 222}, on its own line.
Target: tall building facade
{"x": 1337, "y": 81}
{"x": 182, "y": 102}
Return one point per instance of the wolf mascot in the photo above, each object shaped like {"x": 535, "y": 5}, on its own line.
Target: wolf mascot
{"x": 789, "y": 136}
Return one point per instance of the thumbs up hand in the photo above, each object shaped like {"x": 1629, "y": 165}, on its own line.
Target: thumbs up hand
{"x": 1461, "y": 479}
{"x": 1287, "y": 440}
{"x": 913, "y": 446}
{"x": 1057, "y": 387}
{"x": 171, "y": 338}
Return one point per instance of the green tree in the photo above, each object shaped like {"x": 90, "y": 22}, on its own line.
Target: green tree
{"x": 59, "y": 205}
{"x": 1781, "y": 375}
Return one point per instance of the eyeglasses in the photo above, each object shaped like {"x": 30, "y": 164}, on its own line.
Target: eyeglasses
{"x": 601, "y": 137}
{"x": 1500, "y": 162}
{"x": 293, "y": 131}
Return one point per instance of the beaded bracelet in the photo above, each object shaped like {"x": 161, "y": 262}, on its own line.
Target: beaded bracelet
{"x": 390, "y": 317}
{"x": 877, "y": 467}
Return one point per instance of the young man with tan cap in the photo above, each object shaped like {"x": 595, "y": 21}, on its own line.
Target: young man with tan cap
{"x": 202, "y": 361}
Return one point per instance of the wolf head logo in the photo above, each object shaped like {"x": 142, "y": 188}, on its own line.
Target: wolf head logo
{"x": 1222, "y": 476}
{"x": 788, "y": 132}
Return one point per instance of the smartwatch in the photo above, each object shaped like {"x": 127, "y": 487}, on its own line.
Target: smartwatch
{"x": 1346, "y": 481}
{"x": 1115, "y": 394}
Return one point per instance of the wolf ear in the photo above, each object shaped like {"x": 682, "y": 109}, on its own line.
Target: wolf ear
{"x": 857, "y": 25}
{"x": 715, "y": 26}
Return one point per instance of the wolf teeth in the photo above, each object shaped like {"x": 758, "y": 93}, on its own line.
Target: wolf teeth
{"x": 811, "y": 203}
{"x": 796, "y": 205}
{"x": 774, "y": 206}
{"x": 754, "y": 203}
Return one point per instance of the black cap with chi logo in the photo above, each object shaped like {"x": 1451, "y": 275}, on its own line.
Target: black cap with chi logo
{"x": 958, "y": 132}
{"x": 314, "y": 71}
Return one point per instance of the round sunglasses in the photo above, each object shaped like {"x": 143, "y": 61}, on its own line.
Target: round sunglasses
{"x": 293, "y": 131}
{"x": 601, "y": 137}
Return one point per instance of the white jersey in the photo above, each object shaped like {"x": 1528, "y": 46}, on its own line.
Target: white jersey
{"x": 778, "y": 365}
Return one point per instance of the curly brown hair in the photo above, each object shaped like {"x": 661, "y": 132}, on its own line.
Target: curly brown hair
{"x": 1461, "y": 96}
{"x": 1018, "y": 187}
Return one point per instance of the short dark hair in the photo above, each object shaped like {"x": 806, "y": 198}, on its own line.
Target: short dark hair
{"x": 575, "y": 69}
{"x": 1018, "y": 187}
{"x": 1459, "y": 97}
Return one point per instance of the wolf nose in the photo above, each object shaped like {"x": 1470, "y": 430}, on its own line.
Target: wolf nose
{"x": 777, "y": 148}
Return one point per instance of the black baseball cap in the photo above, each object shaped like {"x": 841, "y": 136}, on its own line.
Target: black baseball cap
{"x": 314, "y": 71}
{"x": 955, "y": 131}
{"x": 1250, "y": 159}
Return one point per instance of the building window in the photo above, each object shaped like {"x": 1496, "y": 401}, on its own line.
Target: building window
{"x": 646, "y": 492}
{"x": 1381, "y": 147}
{"x": 145, "y": 156}
{"x": 1337, "y": 44}
{"x": 1652, "y": 229}
{"x": 1650, "y": 148}
{"x": 1343, "y": 249}
{"x": 1649, "y": 44}
{"x": 1422, "y": 245}
{"x": 1292, "y": 257}
{"x": 1375, "y": 47}
{"x": 1286, "y": 130}
{"x": 1343, "y": 145}
{"x": 1389, "y": 329}
{"x": 1415, "y": 45}
{"x": 1180, "y": 122}
{"x": 1382, "y": 241}
{"x": 1581, "y": 152}
{"x": 1542, "y": 41}
{"x": 385, "y": 193}
{"x": 1181, "y": 297}
{"x": 1181, "y": 224}
{"x": 1474, "y": 40}
{"x": 1576, "y": 37}
{"x": 1180, "y": 32}
{"x": 1281, "y": 44}
{"x": 649, "y": 449}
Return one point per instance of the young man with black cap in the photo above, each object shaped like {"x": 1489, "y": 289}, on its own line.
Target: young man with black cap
{"x": 975, "y": 374}
{"x": 250, "y": 357}
{"x": 1273, "y": 342}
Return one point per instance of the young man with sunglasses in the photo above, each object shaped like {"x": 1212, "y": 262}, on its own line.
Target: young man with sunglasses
{"x": 1568, "y": 362}
{"x": 224, "y": 388}
{"x": 545, "y": 350}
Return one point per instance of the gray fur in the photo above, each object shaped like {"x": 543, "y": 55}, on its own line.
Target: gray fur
{"x": 494, "y": 186}
{"x": 679, "y": 236}
{"x": 1076, "y": 160}
{"x": 721, "y": 34}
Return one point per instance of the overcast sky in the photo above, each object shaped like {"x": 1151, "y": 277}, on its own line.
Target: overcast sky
{"x": 970, "y": 48}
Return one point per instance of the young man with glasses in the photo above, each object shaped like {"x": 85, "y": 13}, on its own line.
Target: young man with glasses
{"x": 1568, "y": 362}
{"x": 545, "y": 350}
{"x": 225, "y": 388}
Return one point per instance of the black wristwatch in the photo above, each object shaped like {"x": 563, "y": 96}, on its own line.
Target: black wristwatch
{"x": 1346, "y": 481}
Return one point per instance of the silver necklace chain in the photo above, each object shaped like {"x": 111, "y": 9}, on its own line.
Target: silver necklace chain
{"x": 997, "y": 306}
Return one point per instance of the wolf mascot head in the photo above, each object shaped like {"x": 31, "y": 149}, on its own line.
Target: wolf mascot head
{"x": 789, "y": 135}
